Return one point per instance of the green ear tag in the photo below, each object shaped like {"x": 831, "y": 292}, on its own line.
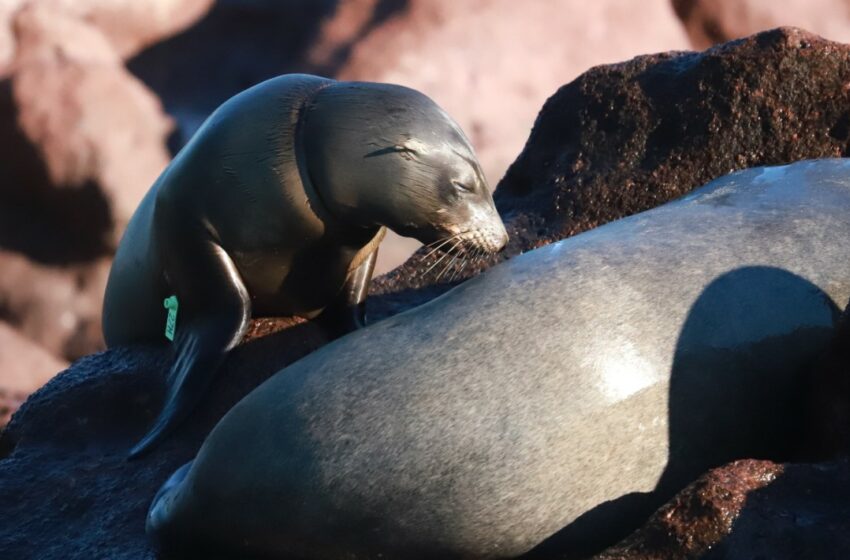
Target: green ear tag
{"x": 170, "y": 303}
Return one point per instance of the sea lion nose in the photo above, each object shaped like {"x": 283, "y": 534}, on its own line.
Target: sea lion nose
{"x": 503, "y": 240}
{"x": 502, "y": 236}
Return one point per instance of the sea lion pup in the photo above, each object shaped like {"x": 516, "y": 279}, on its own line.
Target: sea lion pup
{"x": 618, "y": 364}
{"x": 276, "y": 207}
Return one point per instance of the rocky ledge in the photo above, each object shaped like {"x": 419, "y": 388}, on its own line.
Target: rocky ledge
{"x": 618, "y": 140}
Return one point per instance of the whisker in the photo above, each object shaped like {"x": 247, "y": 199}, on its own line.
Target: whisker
{"x": 455, "y": 255}
{"x": 445, "y": 268}
{"x": 444, "y": 241}
{"x": 466, "y": 261}
{"x": 438, "y": 261}
{"x": 440, "y": 240}
{"x": 458, "y": 270}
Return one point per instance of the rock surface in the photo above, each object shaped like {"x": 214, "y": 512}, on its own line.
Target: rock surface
{"x": 626, "y": 137}
{"x": 90, "y": 121}
{"x": 67, "y": 490}
{"x": 24, "y": 367}
{"x": 128, "y": 25}
{"x": 83, "y": 140}
{"x": 715, "y": 21}
{"x": 700, "y": 516}
{"x": 56, "y": 306}
{"x": 750, "y": 509}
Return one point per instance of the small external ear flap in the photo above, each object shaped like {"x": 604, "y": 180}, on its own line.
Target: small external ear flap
{"x": 392, "y": 150}
{"x": 411, "y": 147}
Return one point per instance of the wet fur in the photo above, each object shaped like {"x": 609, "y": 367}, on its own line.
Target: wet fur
{"x": 276, "y": 207}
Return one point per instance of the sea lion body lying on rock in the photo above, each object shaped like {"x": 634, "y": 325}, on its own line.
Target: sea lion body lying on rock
{"x": 576, "y": 386}
{"x": 276, "y": 207}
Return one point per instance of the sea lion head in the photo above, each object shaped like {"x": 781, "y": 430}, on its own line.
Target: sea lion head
{"x": 381, "y": 154}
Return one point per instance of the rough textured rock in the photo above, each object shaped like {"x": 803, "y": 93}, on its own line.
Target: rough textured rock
{"x": 67, "y": 490}
{"x": 127, "y": 24}
{"x": 24, "y": 367}
{"x": 714, "y": 21}
{"x": 804, "y": 513}
{"x": 750, "y": 509}
{"x": 699, "y": 516}
{"x": 627, "y": 137}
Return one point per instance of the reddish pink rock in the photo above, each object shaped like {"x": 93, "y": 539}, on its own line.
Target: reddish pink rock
{"x": 57, "y": 307}
{"x": 128, "y": 25}
{"x": 89, "y": 120}
{"x": 131, "y": 25}
{"x": 24, "y": 367}
{"x": 714, "y": 21}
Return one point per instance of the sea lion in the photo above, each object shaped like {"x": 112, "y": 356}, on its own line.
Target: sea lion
{"x": 276, "y": 207}
{"x": 610, "y": 368}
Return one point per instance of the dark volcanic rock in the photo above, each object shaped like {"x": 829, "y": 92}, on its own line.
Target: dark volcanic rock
{"x": 67, "y": 490}
{"x": 804, "y": 513}
{"x": 627, "y": 137}
{"x": 750, "y": 509}
{"x": 699, "y": 516}
{"x": 618, "y": 140}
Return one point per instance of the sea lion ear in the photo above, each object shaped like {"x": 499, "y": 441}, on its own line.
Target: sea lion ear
{"x": 403, "y": 149}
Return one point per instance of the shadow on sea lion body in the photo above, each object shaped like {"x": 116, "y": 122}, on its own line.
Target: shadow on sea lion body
{"x": 709, "y": 403}
{"x": 547, "y": 405}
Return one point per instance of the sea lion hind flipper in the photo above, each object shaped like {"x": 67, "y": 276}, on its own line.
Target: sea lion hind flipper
{"x": 348, "y": 311}
{"x": 213, "y": 317}
{"x": 160, "y": 513}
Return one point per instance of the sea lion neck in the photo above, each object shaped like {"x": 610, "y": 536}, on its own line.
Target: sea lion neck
{"x": 337, "y": 219}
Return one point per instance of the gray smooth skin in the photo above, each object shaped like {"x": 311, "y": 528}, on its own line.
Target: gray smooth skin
{"x": 625, "y": 360}
{"x": 276, "y": 207}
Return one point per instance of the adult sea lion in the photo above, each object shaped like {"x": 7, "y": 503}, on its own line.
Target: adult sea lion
{"x": 558, "y": 389}
{"x": 276, "y": 207}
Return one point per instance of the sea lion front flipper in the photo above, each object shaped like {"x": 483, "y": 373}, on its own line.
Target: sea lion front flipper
{"x": 348, "y": 311}
{"x": 213, "y": 315}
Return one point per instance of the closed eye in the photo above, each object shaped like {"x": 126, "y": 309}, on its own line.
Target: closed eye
{"x": 463, "y": 187}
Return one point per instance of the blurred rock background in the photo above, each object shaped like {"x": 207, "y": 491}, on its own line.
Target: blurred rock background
{"x": 96, "y": 95}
